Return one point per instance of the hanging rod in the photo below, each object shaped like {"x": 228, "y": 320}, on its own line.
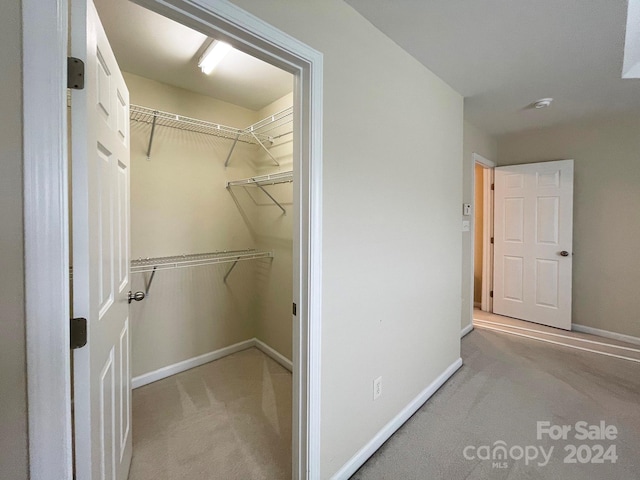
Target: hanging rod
{"x": 143, "y": 265}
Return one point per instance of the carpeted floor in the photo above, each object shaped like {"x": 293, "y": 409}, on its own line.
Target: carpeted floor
{"x": 505, "y": 387}
{"x": 229, "y": 419}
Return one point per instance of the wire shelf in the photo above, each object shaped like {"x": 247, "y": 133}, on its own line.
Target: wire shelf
{"x": 274, "y": 122}
{"x": 263, "y": 180}
{"x": 260, "y": 133}
{"x": 147, "y": 115}
{"x": 143, "y": 265}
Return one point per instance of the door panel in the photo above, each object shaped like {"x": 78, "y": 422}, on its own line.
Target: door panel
{"x": 533, "y": 225}
{"x": 100, "y": 226}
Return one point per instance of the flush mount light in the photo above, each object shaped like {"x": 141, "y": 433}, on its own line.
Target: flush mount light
{"x": 543, "y": 103}
{"x": 213, "y": 55}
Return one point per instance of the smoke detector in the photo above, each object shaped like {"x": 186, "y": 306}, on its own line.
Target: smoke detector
{"x": 543, "y": 103}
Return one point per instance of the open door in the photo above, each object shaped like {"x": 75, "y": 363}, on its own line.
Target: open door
{"x": 533, "y": 233}
{"x": 100, "y": 232}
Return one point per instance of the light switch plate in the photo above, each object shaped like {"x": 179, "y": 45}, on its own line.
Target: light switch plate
{"x": 466, "y": 225}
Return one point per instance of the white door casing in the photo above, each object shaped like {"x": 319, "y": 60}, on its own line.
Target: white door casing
{"x": 100, "y": 226}
{"x": 533, "y": 235}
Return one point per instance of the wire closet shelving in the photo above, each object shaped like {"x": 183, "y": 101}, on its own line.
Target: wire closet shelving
{"x": 262, "y": 133}
{"x": 146, "y": 265}
{"x": 262, "y": 181}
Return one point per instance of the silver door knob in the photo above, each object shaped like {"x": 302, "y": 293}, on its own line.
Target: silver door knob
{"x": 135, "y": 296}
{"x": 564, "y": 253}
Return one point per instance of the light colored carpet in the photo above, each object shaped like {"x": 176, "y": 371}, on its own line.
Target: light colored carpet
{"x": 575, "y": 340}
{"x": 229, "y": 419}
{"x": 505, "y": 387}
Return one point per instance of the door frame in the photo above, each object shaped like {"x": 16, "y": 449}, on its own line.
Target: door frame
{"x": 487, "y": 233}
{"x": 47, "y": 305}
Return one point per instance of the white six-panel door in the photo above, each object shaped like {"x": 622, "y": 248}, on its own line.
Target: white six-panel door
{"x": 100, "y": 228}
{"x": 533, "y": 236}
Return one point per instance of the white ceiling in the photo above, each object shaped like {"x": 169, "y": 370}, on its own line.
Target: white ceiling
{"x": 504, "y": 54}
{"x": 155, "y": 47}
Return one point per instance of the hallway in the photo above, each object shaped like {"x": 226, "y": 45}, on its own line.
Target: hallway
{"x": 506, "y": 386}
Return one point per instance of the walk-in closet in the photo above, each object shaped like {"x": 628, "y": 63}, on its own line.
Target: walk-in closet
{"x": 211, "y": 218}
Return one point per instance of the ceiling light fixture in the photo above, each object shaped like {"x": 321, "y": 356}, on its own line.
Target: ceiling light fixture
{"x": 543, "y": 103}
{"x": 213, "y": 55}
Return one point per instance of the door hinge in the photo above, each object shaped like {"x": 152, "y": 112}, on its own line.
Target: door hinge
{"x": 493, "y": 186}
{"x": 295, "y": 309}
{"x": 491, "y": 293}
{"x": 75, "y": 73}
{"x": 78, "y": 333}
{"x": 491, "y": 239}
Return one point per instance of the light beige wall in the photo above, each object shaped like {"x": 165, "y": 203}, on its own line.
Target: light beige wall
{"x": 179, "y": 205}
{"x": 274, "y": 233}
{"x": 606, "y": 261}
{"x": 475, "y": 141}
{"x": 478, "y": 235}
{"x": 391, "y": 221}
{"x": 13, "y": 397}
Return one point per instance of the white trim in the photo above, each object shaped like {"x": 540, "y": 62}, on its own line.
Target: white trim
{"x": 487, "y": 233}
{"x": 477, "y": 158}
{"x": 190, "y": 363}
{"x": 605, "y": 333}
{"x": 44, "y": 46}
{"x": 488, "y": 326}
{"x": 275, "y": 355}
{"x": 390, "y": 428}
{"x": 252, "y": 35}
{"x": 466, "y": 330}
{"x": 184, "y": 365}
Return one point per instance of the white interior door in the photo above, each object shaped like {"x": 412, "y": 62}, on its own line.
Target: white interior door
{"x": 533, "y": 235}
{"x": 100, "y": 226}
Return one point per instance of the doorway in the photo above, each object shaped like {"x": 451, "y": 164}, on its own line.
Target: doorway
{"x": 483, "y": 171}
{"x": 48, "y": 334}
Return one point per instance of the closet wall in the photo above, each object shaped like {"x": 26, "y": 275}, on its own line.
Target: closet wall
{"x": 179, "y": 205}
{"x": 274, "y": 233}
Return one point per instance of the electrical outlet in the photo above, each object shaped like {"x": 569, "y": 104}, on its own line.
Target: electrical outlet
{"x": 377, "y": 388}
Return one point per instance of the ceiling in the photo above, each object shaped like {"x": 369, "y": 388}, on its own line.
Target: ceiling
{"x": 152, "y": 46}
{"x": 503, "y": 55}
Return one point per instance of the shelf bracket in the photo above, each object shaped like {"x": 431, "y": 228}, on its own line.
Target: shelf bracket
{"x": 147, "y": 287}
{"x": 153, "y": 130}
{"x": 264, "y": 148}
{"x": 235, "y": 142}
{"x": 272, "y": 199}
{"x": 230, "y": 270}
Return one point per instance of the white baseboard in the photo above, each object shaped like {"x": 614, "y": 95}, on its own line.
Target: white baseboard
{"x": 466, "y": 330}
{"x": 278, "y": 357}
{"x": 190, "y": 363}
{"x": 605, "y": 333}
{"x": 390, "y": 428}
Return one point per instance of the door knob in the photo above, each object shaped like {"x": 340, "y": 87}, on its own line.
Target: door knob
{"x": 136, "y": 296}
{"x": 564, "y": 253}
